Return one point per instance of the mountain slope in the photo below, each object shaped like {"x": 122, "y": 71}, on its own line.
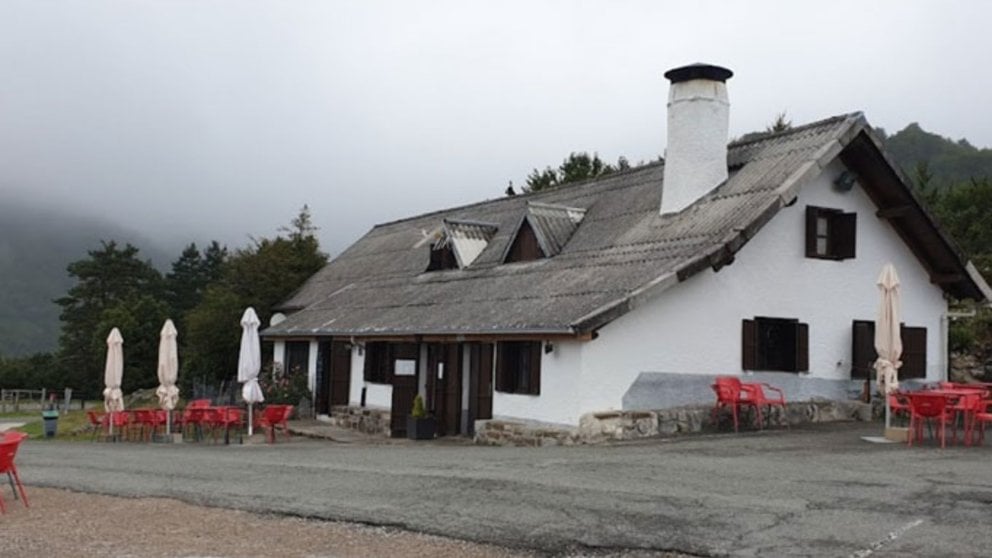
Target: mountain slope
{"x": 36, "y": 245}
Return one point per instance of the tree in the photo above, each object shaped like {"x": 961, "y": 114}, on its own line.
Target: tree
{"x": 780, "y": 124}
{"x": 578, "y": 166}
{"x": 190, "y": 275}
{"x": 260, "y": 276}
{"x": 104, "y": 280}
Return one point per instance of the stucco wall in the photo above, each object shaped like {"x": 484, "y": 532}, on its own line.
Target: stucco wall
{"x": 377, "y": 395}
{"x": 695, "y": 327}
{"x": 558, "y": 401}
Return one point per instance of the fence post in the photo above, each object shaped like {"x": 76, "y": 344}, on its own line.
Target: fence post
{"x": 67, "y": 399}
{"x": 17, "y": 400}
{"x": 41, "y": 402}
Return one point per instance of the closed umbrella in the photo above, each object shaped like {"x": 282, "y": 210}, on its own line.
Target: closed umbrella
{"x": 888, "y": 340}
{"x": 113, "y": 399}
{"x": 168, "y": 369}
{"x": 249, "y": 362}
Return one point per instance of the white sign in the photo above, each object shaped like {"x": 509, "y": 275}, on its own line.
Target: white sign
{"x": 440, "y": 371}
{"x": 404, "y": 367}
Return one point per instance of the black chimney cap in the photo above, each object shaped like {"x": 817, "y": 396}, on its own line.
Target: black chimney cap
{"x": 698, "y": 71}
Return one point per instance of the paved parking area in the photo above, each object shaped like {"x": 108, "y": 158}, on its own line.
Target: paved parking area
{"x": 814, "y": 492}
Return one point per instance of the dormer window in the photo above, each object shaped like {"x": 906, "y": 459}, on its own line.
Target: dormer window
{"x": 457, "y": 243}
{"x": 830, "y": 233}
{"x": 442, "y": 257}
{"x": 543, "y": 232}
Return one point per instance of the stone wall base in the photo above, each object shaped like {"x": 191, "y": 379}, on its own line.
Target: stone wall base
{"x": 362, "y": 419}
{"x": 613, "y": 426}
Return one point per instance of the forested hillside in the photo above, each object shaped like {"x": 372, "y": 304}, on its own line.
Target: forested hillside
{"x": 950, "y": 162}
{"x": 36, "y": 245}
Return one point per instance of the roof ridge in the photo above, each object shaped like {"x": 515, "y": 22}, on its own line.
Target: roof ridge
{"x": 568, "y": 185}
{"x": 755, "y": 137}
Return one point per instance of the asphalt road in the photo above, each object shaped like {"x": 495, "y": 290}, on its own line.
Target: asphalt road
{"x": 810, "y": 492}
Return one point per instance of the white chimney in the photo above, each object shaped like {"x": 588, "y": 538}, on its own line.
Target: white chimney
{"x": 698, "y": 127}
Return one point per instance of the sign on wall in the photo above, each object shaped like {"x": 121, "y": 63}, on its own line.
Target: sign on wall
{"x": 405, "y": 367}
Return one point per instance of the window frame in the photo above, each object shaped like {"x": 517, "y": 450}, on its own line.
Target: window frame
{"x": 754, "y": 351}
{"x": 839, "y": 238}
{"x": 518, "y": 367}
{"x": 378, "y": 366}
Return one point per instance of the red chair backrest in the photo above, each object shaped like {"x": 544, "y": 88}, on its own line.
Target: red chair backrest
{"x": 726, "y": 392}
{"x": 96, "y": 419}
{"x": 8, "y": 450}
{"x": 287, "y": 412}
{"x": 273, "y": 413}
{"x": 927, "y": 405}
{"x": 198, "y": 404}
{"x": 897, "y": 401}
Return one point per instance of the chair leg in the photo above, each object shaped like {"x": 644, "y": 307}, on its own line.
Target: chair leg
{"x": 17, "y": 478}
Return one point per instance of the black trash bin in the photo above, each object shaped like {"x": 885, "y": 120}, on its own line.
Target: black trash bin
{"x": 51, "y": 422}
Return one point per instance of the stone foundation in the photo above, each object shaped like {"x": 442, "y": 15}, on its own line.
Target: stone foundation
{"x": 362, "y": 419}
{"x": 613, "y": 426}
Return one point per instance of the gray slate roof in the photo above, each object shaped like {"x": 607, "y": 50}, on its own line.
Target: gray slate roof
{"x": 622, "y": 250}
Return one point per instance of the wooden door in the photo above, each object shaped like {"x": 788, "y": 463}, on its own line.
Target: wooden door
{"x": 404, "y": 387}
{"x": 444, "y": 387}
{"x": 482, "y": 378}
{"x": 340, "y": 376}
{"x": 323, "y": 377}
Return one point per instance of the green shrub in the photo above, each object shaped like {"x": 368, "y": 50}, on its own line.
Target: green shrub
{"x": 418, "y": 407}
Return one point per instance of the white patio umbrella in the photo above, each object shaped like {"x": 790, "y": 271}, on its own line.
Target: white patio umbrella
{"x": 168, "y": 369}
{"x": 888, "y": 340}
{"x": 249, "y": 362}
{"x": 113, "y": 399}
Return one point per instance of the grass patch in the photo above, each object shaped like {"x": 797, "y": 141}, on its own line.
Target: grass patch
{"x": 71, "y": 426}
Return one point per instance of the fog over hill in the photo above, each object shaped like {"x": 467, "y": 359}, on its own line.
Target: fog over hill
{"x": 36, "y": 245}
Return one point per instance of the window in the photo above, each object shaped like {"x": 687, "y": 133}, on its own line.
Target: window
{"x": 518, "y": 367}
{"x": 775, "y": 344}
{"x": 830, "y": 233}
{"x": 442, "y": 257}
{"x": 297, "y": 357}
{"x": 378, "y": 362}
{"x": 863, "y": 355}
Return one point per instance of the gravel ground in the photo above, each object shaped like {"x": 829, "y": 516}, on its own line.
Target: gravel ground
{"x": 64, "y": 523}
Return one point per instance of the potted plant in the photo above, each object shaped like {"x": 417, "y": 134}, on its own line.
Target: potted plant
{"x": 420, "y": 425}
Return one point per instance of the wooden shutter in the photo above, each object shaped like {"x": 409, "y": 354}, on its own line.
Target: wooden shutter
{"x": 811, "y": 214}
{"x": 749, "y": 345}
{"x": 843, "y": 229}
{"x": 535, "y": 368}
{"x": 802, "y": 347}
{"x": 914, "y": 353}
{"x": 863, "y": 353}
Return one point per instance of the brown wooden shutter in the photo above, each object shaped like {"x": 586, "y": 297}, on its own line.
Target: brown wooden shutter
{"x": 535, "y": 368}
{"x": 802, "y": 347}
{"x": 811, "y": 213}
{"x": 843, "y": 232}
{"x": 914, "y": 353}
{"x": 863, "y": 353}
{"x": 749, "y": 345}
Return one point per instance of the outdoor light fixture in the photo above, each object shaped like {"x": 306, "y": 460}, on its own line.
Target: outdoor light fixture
{"x": 845, "y": 181}
{"x": 548, "y": 347}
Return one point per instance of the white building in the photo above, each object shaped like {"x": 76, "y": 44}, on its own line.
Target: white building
{"x": 634, "y": 290}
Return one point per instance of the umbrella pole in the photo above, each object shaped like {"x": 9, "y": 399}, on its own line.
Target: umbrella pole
{"x": 888, "y": 413}
{"x": 111, "y": 425}
{"x": 250, "y": 422}
{"x": 168, "y": 422}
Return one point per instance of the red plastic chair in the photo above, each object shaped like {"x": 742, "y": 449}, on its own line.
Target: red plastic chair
{"x": 8, "y": 451}
{"x": 98, "y": 422}
{"x": 925, "y": 407}
{"x": 899, "y": 404}
{"x": 275, "y": 416}
{"x": 728, "y": 393}
{"x": 755, "y": 394}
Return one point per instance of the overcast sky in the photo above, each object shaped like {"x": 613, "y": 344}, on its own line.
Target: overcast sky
{"x": 191, "y": 120}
